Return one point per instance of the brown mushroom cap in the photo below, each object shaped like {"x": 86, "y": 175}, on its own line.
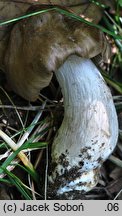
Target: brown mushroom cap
{"x": 39, "y": 45}
{"x": 10, "y": 9}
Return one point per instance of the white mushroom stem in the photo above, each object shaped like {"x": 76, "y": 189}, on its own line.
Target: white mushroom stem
{"x": 89, "y": 131}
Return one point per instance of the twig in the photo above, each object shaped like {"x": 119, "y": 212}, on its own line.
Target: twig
{"x": 29, "y": 108}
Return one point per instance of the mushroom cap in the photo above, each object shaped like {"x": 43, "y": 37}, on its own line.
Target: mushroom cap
{"x": 10, "y": 9}
{"x": 39, "y": 45}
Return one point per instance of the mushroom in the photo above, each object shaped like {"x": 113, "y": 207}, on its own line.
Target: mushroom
{"x": 39, "y": 45}
{"x": 53, "y": 43}
{"x": 89, "y": 131}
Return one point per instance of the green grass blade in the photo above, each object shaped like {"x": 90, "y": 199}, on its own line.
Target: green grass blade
{"x": 116, "y": 85}
{"x": 5, "y": 181}
{"x": 24, "y": 17}
{"x": 34, "y": 145}
{"x": 19, "y": 184}
{"x": 8, "y": 161}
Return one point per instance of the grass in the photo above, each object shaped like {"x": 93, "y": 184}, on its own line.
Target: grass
{"x": 33, "y": 129}
{"x": 28, "y": 139}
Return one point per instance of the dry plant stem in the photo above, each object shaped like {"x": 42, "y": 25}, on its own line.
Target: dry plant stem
{"x": 31, "y": 108}
{"x": 118, "y": 103}
{"x": 9, "y": 128}
{"x": 17, "y": 160}
{"x": 118, "y": 195}
{"x": 27, "y": 133}
{"x": 5, "y": 155}
{"x": 46, "y": 170}
{"x": 13, "y": 145}
{"x": 14, "y": 162}
{"x": 48, "y": 100}
{"x": 13, "y": 106}
{"x": 119, "y": 145}
{"x": 117, "y": 97}
{"x": 89, "y": 131}
{"x": 33, "y": 190}
{"x": 27, "y": 108}
{"x": 39, "y": 130}
{"x": 115, "y": 160}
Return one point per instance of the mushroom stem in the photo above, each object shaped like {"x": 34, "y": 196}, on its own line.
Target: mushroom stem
{"x": 89, "y": 131}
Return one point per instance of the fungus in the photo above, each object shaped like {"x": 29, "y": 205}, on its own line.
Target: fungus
{"x": 39, "y": 45}
{"x": 52, "y": 43}
{"x": 89, "y": 131}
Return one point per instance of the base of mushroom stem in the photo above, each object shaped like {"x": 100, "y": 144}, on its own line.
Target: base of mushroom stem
{"x": 83, "y": 182}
